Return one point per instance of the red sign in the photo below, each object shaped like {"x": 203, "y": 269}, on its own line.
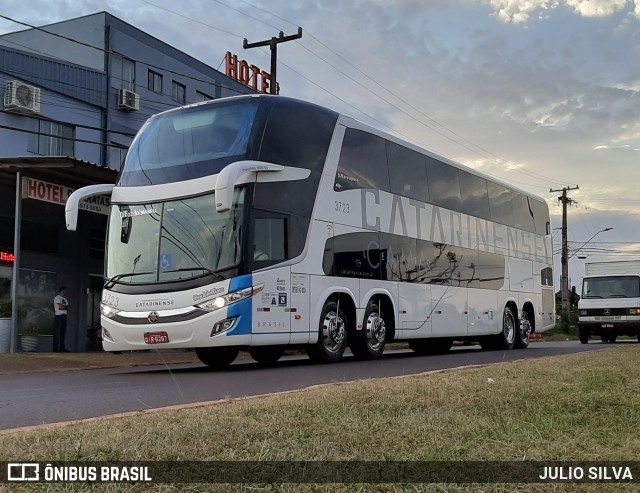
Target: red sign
{"x": 45, "y": 191}
{"x": 7, "y": 257}
{"x": 58, "y": 194}
{"x": 246, "y": 74}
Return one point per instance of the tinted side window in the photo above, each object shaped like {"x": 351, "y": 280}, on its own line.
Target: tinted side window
{"x": 523, "y": 215}
{"x": 501, "y": 204}
{"x": 490, "y": 270}
{"x": 297, "y": 136}
{"x": 407, "y": 172}
{"x": 270, "y": 241}
{"x": 474, "y": 194}
{"x": 363, "y": 162}
{"x": 355, "y": 255}
{"x": 540, "y": 216}
{"x": 444, "y": 187}
{"x": 400, "y": 258}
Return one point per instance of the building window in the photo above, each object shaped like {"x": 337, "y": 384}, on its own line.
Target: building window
{"x": 200, "y": 96}
{"x": 117, "y": 153}
{"x": 128, "y": 75}
{"x": 155, "y": 82}
{"x": 53, "y": 139}
{"x": 178, "y": 92}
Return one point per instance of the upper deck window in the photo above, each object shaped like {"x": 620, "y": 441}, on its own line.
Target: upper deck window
{"x": 363, "y": 162}
{"x": 190, "y": 143}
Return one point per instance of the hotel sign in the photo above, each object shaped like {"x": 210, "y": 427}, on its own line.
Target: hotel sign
{"x": 58, "y": 194}
{"x": 247, "y": 74}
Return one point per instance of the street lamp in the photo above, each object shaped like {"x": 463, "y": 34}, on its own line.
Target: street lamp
{"x": 565, "y": 280}
{"x": 585, "y": 243}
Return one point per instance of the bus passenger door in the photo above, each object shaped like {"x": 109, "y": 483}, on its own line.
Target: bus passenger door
{"x": 300, "y": 309}
{"x": 271, "y": 315}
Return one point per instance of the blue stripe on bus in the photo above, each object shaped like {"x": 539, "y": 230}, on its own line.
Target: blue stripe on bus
{"x": 242, "y": 309}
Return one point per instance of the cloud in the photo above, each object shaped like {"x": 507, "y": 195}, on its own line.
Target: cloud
{"x": 520, "y": 11}
{"x": 596, "y": 8}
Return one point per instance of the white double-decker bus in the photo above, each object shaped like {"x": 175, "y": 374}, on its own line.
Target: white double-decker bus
{"x": 262, "y": 223}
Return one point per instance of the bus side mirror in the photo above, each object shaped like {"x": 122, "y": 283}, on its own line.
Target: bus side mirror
{"x": 72, "y": 206}
{"x": 243, "y": 171}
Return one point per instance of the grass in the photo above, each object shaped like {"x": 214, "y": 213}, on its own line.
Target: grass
{"x": 578, "y": 407}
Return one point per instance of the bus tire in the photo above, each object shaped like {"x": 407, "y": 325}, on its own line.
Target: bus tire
{"x": 430, "y": 346}
{"x": 369, "y": 342}
{"x": 332, "y": 335}
{"x": 507, "y": 336}
{"x": 523, "y": 331}
{"x": 266, "y": 355}
{"x": 217, "y": 358}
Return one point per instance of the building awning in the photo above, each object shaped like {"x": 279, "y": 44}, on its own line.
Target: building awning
{"x": 57, "y": 169}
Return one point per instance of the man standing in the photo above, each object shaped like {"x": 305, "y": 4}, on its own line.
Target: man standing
{"x": 60, "y": 305}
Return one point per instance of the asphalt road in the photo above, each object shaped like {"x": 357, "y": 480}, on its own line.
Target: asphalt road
{"x": 37, "y": 398}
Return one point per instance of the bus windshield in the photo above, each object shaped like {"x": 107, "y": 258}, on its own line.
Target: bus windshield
{"x": 611, "y": 287}
{"x": 174, "y": 240}
{"x": 189, "y": 143}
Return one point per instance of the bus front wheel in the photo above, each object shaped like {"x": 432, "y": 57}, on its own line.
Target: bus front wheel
{"x": 332, "y": 335}
{"x": 266, "y": 355}
{"x": 217, "y": 358}
{"x": 369, "y": 342}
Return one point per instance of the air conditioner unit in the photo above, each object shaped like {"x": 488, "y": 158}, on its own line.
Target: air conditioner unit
{"x": 21, "y": 97}
{"x": 128, "y": 100}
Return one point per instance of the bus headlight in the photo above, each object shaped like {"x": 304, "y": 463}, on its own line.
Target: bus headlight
{"x": 583, "y": 313}
{"x": 230, "y": 298}
{"x": 108, "y": 311}
{"x": 634, "y": 311}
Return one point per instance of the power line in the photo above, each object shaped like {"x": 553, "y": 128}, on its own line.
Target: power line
{"x": 119, "y": 54}
{"x": 44, "y": 134}
{"x": 51, "y": 120}
{"x": 368, "y": 77}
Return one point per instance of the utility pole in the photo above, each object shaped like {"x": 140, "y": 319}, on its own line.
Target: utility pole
{"x": 564, "y": 280}
{"x": 273, "y": 45}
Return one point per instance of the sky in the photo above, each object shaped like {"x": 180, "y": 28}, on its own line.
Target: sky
{"x": 543, "y": 94}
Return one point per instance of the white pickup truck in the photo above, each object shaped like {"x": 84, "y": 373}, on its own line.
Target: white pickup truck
{"x": 610, "y": 303}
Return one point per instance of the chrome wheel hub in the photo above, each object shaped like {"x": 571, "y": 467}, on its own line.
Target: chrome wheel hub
{"x": 376, "y": 330}
{"x": 333, "y": 331}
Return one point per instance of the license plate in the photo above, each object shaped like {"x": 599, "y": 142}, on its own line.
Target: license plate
{"x": 607, "y": 326}
{"x": 156, "y": 337}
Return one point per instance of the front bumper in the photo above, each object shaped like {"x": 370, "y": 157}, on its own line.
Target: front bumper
{"x": 609, "y": 327}
{"x": 190, "y": 332}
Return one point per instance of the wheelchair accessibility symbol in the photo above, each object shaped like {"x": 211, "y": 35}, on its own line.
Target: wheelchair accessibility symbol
{"x": 165, "y": 261}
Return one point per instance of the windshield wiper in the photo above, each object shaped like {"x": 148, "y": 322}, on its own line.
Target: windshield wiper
{"x": 217, "y": 276}
{"x": 114, "y": 279}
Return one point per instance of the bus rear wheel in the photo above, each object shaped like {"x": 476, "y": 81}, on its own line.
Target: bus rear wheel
{"x": 523, "y": 332}
{"x": 266, "y": 355}
{"x": 369, "y": 342}
{"x": 217, "y": 358}
{"x": 332, "y": 335}
{"x": 430, "y": 346}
